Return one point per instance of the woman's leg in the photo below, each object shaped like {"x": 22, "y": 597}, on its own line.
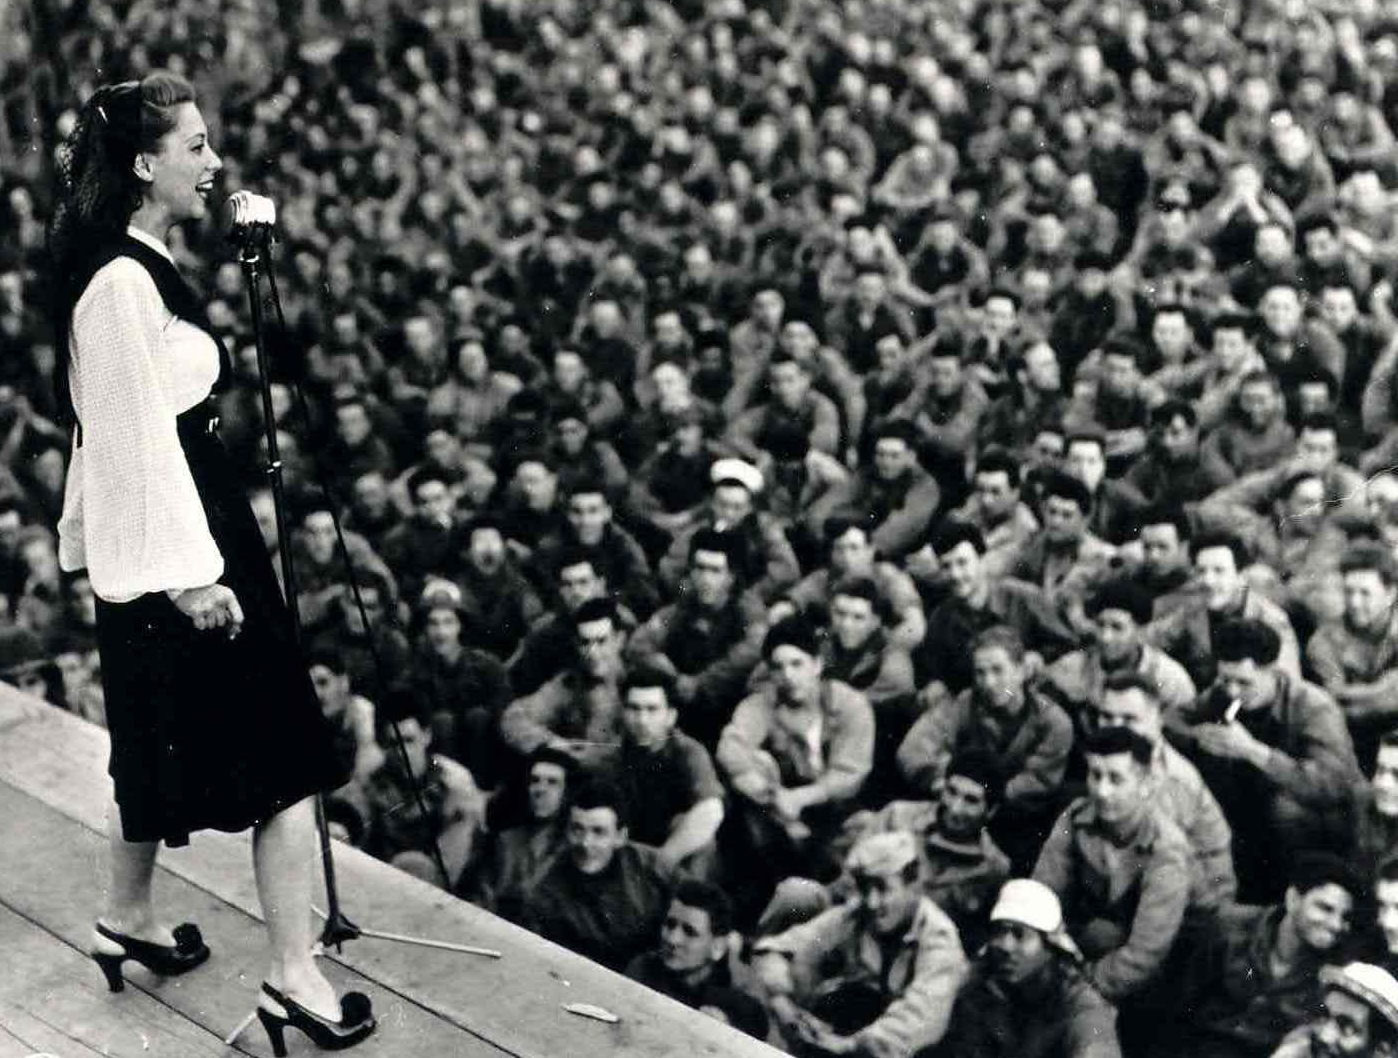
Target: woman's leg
{"x": 128, "y": 899}
{"x": 284, "y": 853}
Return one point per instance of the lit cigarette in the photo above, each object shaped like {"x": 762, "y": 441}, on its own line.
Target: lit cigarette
{"x": 1231, "y": 713}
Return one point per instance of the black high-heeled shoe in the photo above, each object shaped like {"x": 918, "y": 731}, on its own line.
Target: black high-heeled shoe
{"x": 188, "y": 952}
{"x": 355, "y": 1024}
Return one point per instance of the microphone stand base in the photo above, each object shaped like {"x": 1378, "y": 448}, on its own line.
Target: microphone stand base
{"x": 338, "y": 929}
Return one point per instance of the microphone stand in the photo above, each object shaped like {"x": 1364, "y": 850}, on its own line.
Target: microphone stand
{"x": 338, "y": 928}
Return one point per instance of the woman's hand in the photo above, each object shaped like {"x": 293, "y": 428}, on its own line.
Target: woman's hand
{"x": 212, "y": 606}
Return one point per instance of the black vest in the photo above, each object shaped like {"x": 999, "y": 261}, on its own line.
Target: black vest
{"x": 179, "y": 297}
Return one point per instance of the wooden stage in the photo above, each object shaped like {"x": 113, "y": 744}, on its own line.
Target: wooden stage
{"x": 431, "y": 1003}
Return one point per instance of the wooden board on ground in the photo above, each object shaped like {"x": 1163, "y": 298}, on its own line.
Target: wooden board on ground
{"x": 48, "y": 888}
{"x": 514, "y": 1004}
{"x": 53, "y": 999}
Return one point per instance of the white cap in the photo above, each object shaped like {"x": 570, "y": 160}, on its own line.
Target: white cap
{"x": 438, "y": 590}
{"x": 739, "y": 470}
{"x": 1035, "y": 905}
{"x": 1369, "y": 984}
{"x": 1030, "y": 902}
{"x": 882, "y": 855}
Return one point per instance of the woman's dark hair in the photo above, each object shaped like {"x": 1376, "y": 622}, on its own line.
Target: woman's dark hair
{"x": 98, "y": 190}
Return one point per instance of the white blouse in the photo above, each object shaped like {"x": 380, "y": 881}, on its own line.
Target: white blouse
{"x": 131, "y": 513}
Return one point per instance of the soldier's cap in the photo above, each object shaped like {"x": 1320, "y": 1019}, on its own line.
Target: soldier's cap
{"x": 882, "y": 855}
{"x": 1371, "y": 985}
{"x": 1035, "y": 905}
{"x": 1028, "y": 902}
{"x": 739, "y": 470}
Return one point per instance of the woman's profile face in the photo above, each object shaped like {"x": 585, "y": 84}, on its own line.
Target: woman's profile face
{"x": 179, "y": 175}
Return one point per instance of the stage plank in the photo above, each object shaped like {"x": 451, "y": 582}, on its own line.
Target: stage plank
{"x": 49, "y": 887}
{"x": 53, "y": 998}
{"x": 514, "y": 1003}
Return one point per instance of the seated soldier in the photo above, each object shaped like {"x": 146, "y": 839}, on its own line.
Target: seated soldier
{"x": 1380, "y": 497}
{"x": 1024, "y": 731}
{"x": 695, "y": 952}
{"x": 1064, "y": 558}
{"x": 411, "y": 819}
{"x": 797, "y": 476}
{"x": 424, "y": 545}
{"x": 322, "y": 572}
{"x": 1255, "y": 434}
{"x": 1296, "y": 548}
{"x": 946, "y": 408}
{"x": 890, "y": 387}
{"x": 1131, "y": 701}
{"x": 576, "y": 439}
{"x": 962, "y": 867}
{"x": 513, "y": 859}
{"x": 1123, "y": 909}
{"x": 464, "y": 691}
{"x": 856, "y": 652}
{"x": 351, "y": 715}
{"x": 1355, "y": 658}
{"x": 794, "y": 400}
{"x": 674, "y": 802}
{"x": 1317, "y": 451}
{"x": 669, "y": 489}
{"x": 875, "y": 976}
{"x": 1257, "y": 975}
{"x": 614, "y": 551}
{"x": 605, "y": 897}
{"x": 710, "y": 639}
{"x": 733, "y": 507}
{"x": 1375, "y": 839}
{"x": 1275, "y": 751}
{"x": 1026, "y": 992}
{"x": 995, "y": 508}
{"x": 498, "y": 601}
{"x": 852, "y": 554}
{"x": 1164, "y": 568}
{"x": 895, "y": 496}
{"x": 579, "y": 710}
{"x": 796, "y": 754}
{"x": 1112, "y": 502}
{"x": 1172, "y": 470}
{"x": 1032, "y": 404}
{"x": 1358, "y": 1017}
{"x": 377, "y": 654}
{"x": 547, "y": 648}
{"x": 1119, "y": 611}
{"x": 1185, "y": 628}
{"x": 1232, "y": 362}
{"x": 527, "y": 505}
{"x": 976, "y": 601}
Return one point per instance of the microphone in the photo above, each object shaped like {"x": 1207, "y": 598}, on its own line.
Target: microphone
{"x": 247, "y": 218}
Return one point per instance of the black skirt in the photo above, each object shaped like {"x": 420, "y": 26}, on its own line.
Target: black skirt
{"x": 207, "y": 731}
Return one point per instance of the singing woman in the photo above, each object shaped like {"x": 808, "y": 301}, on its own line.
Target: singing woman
{"x": 214, "y": 722}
